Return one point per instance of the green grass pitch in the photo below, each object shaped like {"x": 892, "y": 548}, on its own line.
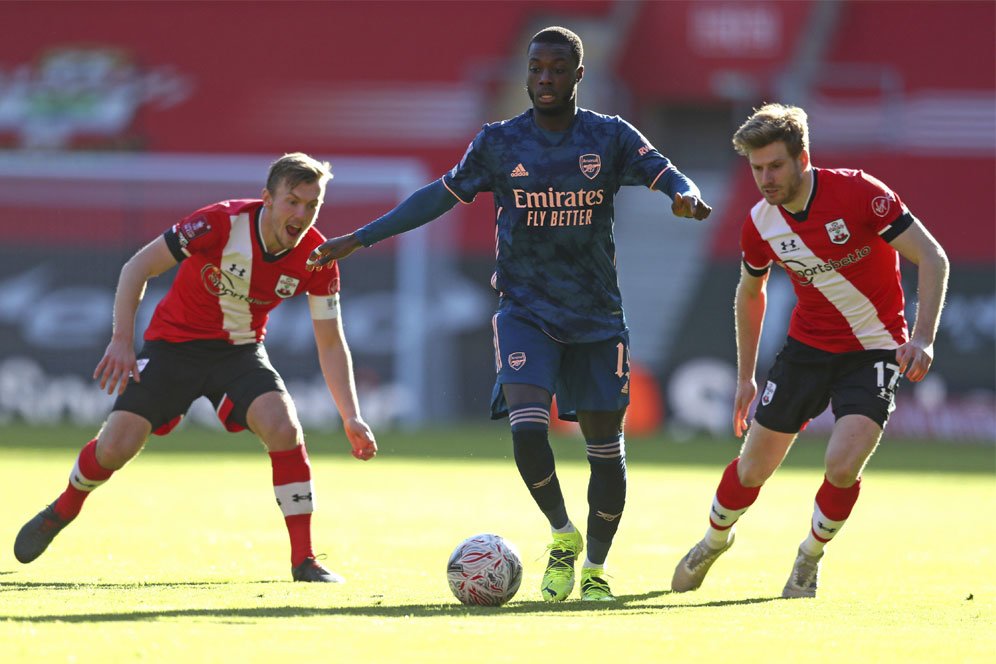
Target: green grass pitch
{"x": 183, "y": 556}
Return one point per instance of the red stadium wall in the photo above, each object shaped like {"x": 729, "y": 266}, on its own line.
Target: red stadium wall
{"x": 918, "y": 118}
{"x": 404, "y": 79}
{"x": 691, "y": 51}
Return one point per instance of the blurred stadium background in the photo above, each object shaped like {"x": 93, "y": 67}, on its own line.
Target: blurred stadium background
{"x": 116, "y": 119}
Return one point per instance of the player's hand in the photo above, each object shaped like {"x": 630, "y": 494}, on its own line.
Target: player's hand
{"x": 691, "y": 207}
{"x": 914, "y": 360}
{"x": 361, "y": 438}
{"x": 746, "y": 391}
{"x": 117, "y": 365}
{"x": 331, "y": 250}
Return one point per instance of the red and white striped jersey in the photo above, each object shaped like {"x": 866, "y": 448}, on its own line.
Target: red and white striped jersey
{"x": 836, "y": 251}
{"x": 227, "y": 284}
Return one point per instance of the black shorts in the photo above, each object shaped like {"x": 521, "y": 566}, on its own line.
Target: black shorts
{"x": 803, "y": 380}
{"x": 174, "y": 374}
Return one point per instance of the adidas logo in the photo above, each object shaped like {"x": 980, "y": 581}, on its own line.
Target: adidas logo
{"x": 519, "y": 172}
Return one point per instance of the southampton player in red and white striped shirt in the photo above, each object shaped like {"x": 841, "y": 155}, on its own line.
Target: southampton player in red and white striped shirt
{"x": 839, "y": 235}
{"x": 238, "y": 260}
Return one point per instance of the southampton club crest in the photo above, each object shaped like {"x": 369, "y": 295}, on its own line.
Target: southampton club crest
{"x": 837, "y": 230}
{"x": 286, "y": 286}
{"x": 591, "y": 165}
{"x": 769, "y": 393}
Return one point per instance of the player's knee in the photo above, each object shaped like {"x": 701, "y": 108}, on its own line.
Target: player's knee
{"x": 533, "y": 456}
{"x": 284, "y": 436}
{"x": 114, "y": 452}
{"x": 609, "y": 451}
{"x": 754, "y": 472}
{"x": 607, "y": 459}
{"x": 841, "y": 474}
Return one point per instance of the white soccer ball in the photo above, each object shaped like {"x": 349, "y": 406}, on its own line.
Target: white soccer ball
{"x": 484, "y": 570}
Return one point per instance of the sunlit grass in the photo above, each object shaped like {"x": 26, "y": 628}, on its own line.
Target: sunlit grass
{"x": 184, "y": 556}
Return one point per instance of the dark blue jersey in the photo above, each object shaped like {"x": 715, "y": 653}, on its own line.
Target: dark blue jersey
{"x": 554, "y": 200}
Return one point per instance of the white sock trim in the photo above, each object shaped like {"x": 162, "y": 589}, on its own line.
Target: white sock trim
{"x": 295, "y": 498}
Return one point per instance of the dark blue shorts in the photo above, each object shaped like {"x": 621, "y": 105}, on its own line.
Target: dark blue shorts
{"x": 589, "y": 376}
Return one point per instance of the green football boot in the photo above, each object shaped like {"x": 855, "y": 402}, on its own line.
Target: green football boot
{"x": 594, "y": 587}
{"x": 558, "y": 579}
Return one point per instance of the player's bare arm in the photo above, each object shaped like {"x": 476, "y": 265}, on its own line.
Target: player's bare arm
{"x": 118, "y": 362}
{"x": 690, "y": 207}
{"x": 918, "y": 246}
{"x": 333, "y": 249}
{"x": 749, "y": 308}
{"x": 337, "y": 368}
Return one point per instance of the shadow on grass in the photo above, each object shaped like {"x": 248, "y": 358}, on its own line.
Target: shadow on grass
{"x": 23, "y": 586}
{"x": 626, "y": 604}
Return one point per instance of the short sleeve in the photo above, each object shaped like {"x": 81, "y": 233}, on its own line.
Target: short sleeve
{"x": 324, "y": 283}
{"x": 199, "y": 232}
{"x": 473, "y": 174}
{"x": 877, "y": 206}
{"x": 755, "y": 250}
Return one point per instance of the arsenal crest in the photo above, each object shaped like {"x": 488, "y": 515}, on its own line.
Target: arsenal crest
{"x": 837, "y": 230}
{"x": 286, "y": 286}
{"x": 517, "y": 360}
{"x": 591, "y": 165}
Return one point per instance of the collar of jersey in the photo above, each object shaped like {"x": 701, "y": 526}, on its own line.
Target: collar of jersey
{"x": 803, "y": 214}
{"x": 554, "y": 138}
{"x": 258, "y": 232}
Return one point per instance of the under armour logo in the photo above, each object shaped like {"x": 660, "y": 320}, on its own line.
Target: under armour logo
{"x": 297, "y": 497}
{"x": 83, "y": 483}
{"x": 788, "y": 245}
{"x": 236, "y": 270}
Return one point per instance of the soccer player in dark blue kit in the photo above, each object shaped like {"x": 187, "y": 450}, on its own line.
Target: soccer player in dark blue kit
{"x": 559, "y": 329}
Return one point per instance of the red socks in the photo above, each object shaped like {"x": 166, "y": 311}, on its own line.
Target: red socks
{"x": 732, "y": 498}
{"x": 833, "y": 506}
{"x": 293, "y": 489}
{"x": 87, "y": 475}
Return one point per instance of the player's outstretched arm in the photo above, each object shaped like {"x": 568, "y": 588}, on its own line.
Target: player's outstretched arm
{"x": 690, "y": 207}
{"x": 331, "y": 250}
{"x": 420, "y": 208}
{"x": 118, "y": 362}
{"x": 918, "y": 246}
